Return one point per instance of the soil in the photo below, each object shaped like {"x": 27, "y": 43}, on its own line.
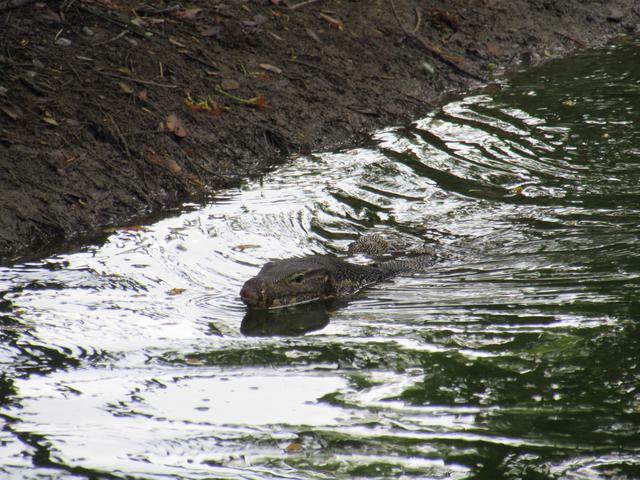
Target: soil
{"x": 113, "y": 109}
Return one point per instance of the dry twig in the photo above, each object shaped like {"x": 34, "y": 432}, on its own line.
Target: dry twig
{"x": 117, "y": 37}
{"x": 433, "y": 51}
{"x": 136, "y": 80}
{"x": 112, "y": 19}
{"x": 418, "y": 21}
{"x": 302, "y": 4}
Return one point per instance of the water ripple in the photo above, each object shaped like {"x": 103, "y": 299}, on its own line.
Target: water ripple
{"x": 515, "y": 356}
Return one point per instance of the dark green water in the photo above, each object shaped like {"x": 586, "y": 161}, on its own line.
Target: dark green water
{"x": 516, "y": 356}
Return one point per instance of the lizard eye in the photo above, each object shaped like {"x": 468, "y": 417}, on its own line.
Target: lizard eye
{"x": 297, "y": 279}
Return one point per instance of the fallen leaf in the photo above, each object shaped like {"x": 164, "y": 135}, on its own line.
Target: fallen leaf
{"x": 206, "y": 105}
{"x": 173, "y": 166}
{"x": 175, "y": 126}
{"x": 229, "y": 84}
{"x": 176, "y": 291}
{"x": 125, "y": 87}
{"x": 216, "y": 109}
{"x": 256, "y": 22}
{"x": 260, "y": 101}
{"x": 338, "y": 24}
{"x": 63, "y": 42}
{"x": 48, "y": 118}
{"x": 190, "y": 360}
{"x": 162, "y": 161}
{"x": 450, "y": 20}
{"x": 188, "y": 13}
{"x": 195, "y": 180}
{"x": 257, "y": 101}
{"x": 139, "y": 22}
{"x": 294, "y": 447}
{"x": 10, "y": 111}
{"x": 270, "y": 68}
{"x": 210, "y": 31}
{"x": 427, "y": 68}
{"x": 176, "y": 42}
{"x": 246, "y": 246}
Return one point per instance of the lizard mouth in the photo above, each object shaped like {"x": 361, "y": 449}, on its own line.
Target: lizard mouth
{"x": 253, "y": 296}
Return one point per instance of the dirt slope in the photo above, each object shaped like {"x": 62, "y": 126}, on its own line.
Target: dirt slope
{"x": 112, "y": 109}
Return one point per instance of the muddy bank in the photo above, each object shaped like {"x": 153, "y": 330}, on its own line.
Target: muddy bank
{"x": 112, "y": 109}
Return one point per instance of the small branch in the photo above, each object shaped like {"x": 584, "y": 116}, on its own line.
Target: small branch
{"x": 35, "y": 88}
{"x": 255, "y": 101}
{"x": 418, "y": 21}
{"x": 199, "y": 60}
{"x": 123, "y": 141}
{"x": 114, "y": 39}
{"x": 439, "y": 55}
{"x": 110, "y": 18}
{"x": 75, "y": 72}
{"x": 302, "y": 4}
{"x": 321, "y": 69}
{"x": 197, "y": 166}
{"x": 137, "y": 80}
{"x": 66, "y": 5}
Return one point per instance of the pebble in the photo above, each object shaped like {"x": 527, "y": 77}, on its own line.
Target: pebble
{"x": 427, "y": 68}
{"x": 63, "y": 42}
{"x": 88, "y": 32}
{"x": 229, "y": 84}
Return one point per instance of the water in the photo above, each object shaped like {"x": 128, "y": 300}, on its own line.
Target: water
{"x": 516, "y": 356}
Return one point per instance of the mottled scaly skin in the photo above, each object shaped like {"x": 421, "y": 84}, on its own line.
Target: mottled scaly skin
{"x": 298, "y": 280}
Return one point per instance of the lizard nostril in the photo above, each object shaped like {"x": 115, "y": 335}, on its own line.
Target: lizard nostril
{"x": 251, "y": 294}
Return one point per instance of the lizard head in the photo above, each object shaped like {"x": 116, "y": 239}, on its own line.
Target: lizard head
{"x": 289, "y": 282}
